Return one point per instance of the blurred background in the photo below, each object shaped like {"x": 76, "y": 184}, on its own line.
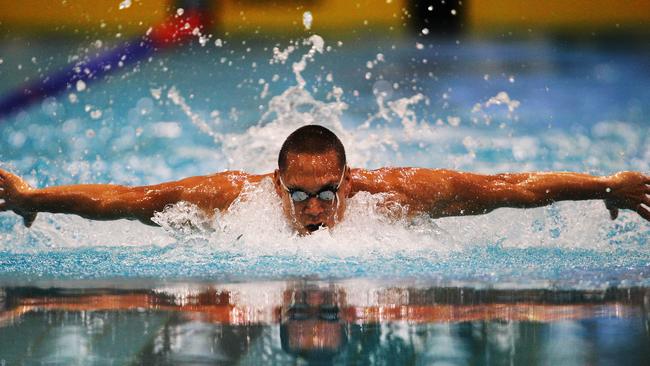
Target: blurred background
{"x": 476, "y": 17}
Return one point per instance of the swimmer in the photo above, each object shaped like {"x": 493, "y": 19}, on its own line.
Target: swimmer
{"x": 314, "y": 182}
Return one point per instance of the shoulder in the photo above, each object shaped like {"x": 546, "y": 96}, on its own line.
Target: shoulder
{"x": 217, "y": 190}
{"x": 421, "y": 190}
{"x": 231, "y": 178}
{"x": 399, "y": 179}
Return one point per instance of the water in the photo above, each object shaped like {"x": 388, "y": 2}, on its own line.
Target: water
{"x": 477, "y": 105}
{"x": 384, "y": 323}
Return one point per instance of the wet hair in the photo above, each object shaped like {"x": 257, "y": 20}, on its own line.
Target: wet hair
{"x": 311, "y": 139}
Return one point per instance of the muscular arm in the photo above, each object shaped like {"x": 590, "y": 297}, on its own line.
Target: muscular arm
{"x": 450, "y": 193}
{"x": 109, "y": 201}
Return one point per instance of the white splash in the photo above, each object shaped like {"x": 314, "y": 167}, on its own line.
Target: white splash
{"x": 502, "y": 98}
{"x": 366, "y": 232}
{"x": 199, "y": 122}
{"x": 317, "y": 43}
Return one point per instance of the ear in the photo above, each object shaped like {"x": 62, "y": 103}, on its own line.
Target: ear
{"x": 276, "y": 182}
{"x": 348, "y": 181}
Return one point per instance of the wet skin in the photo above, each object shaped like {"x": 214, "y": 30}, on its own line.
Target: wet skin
{"x": 312, "y": 174}
{"x": 435, "y": 192}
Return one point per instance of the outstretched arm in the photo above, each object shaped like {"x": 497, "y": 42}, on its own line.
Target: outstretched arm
{"x": 109, "y": 201}
{"x": 450, "y": 193}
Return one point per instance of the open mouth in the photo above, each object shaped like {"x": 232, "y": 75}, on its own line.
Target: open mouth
{"x": 313, "y": 227}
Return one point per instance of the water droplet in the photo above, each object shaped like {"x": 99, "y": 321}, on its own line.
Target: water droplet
{"x": 81, "y": 85}
{"x": 125, "y": 4}
{"x": 307, "y": 19}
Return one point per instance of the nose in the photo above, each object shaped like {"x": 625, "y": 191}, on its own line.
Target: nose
{"x": 313, "y": 207}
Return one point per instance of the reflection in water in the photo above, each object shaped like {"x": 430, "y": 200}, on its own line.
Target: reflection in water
{"x": 313, "y": 322}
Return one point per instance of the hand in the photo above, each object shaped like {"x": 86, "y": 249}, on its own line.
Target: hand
{"x": 12, "y": 193}
{"x": 629, "y": 190}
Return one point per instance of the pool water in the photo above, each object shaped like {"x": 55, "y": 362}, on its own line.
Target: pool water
{"x": 478, "y": 105}
{"x": 380, "y": 323}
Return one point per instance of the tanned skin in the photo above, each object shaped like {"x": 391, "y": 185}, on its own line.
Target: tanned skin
{"x": 435, "y": 192}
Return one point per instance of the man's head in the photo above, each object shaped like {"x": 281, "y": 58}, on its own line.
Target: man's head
{"x": 312, "y": 178}
{"x": 312, "y": 324}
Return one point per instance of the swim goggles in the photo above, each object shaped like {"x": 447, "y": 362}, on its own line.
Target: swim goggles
{"x": 324, "y": 312}
{"x": 327, "y": 194}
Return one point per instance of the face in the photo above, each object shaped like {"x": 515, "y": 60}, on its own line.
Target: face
{"x": 312, "y": 321}
{"x": 313, "y": 173}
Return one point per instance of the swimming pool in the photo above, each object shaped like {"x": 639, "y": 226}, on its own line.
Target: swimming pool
{"x": 471, "y": 104}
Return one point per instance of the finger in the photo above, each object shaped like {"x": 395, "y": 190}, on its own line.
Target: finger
{"x": 613, "y": 213}
{"x": 643, "y": 212}
{"x": 29, "y": 218}
{"x": 5, "y": 175}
